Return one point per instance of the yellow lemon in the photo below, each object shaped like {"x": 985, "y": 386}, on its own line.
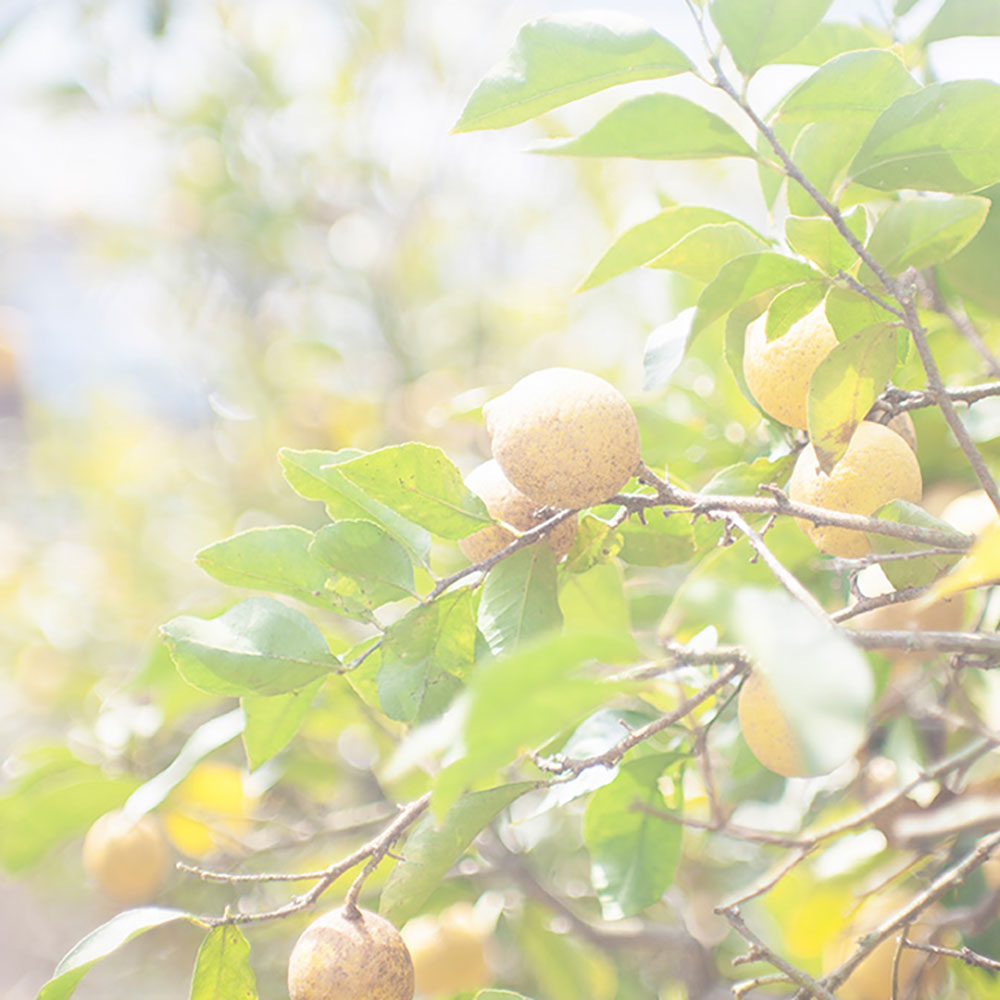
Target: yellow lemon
{"x": 350, "y": 957}
{"x": 971, "y": 513}
{"x": 766, "y": 730}
{"x": 448, "y": 951}
{"x": 778, "y": 372}
{"x": 126, "y": 858}
{"x": 565, "y": 438}
{"x": 507, "y": 503}
{"x": 209, "y": 809}
{"x": 878, "y": 466}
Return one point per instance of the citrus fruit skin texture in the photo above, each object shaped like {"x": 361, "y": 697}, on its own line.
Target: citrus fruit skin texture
{"x": 778, "y": 372}
{"x": 127, "y": 859}
{"x": 507, "y": 503}
{"x": 339, "y": 958}
{"x": 877, "y": 467}
{"x": 766, "y": 730}
{"x": 565, "y": 438}
{"x": 872, "y": 979}
{"x": 448, "y": 951}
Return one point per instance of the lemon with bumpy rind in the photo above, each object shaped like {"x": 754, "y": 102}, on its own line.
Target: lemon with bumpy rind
{"x": 565, "y": 438}
{"x": 350, "y": 955}
{"x": 878, "y": 466}
{"x": 777, "y": 372}
{"x": 126, "y": 858}
{"x": 507, "y": 503}
{"x": 448, "y": 951}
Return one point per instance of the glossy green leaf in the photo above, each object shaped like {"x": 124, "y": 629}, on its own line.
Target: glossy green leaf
{"x": 855, "y": 87}
{"x": 756, "y": 31}
{"x": 823, "y": 151}
{"x": 520, "y": 701}
{"x": 819, "y": 678}
{"x": 944, "y": 137}
{"x": 746, "y": 278}
{"x": 222, "y": 969}
{"x": 519, "y": 599}
{"x": 963, "y": 17}
{"x": 272, "y": 721}
{"x": 370, "y": 568}
{"x": 100, "y": 943}
{"x": 562, "y": 58}
{"x": 819, "y": 239}
{"x": 595, "y": 600}
{"x": 420, "y": 483}
{"x": 920, "y": 571}
{"x": 314, "y": 475}
{"x": 656, "y": 127}
{"x": 259, "y": 646}
{"x": 633, "y": 855}
{"x": 665, "y": 349}
{"x": 433, "y": 848}
{"x": 650, "y": 238}
{"x": 745, "y": 478}
{"x": 425, "y": 653}
{"x": 849, "y": 312}
{"x": 844, "y": 386}
{"x": 701, "y": 253}
{"x": 831, "y": 38}
{"x": 789, "y": 307}
{"x": 276, "y": 559}
{"x": 920, "y": 232}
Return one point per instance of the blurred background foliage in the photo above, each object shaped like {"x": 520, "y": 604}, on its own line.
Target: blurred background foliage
{"x": 230, "y": 227}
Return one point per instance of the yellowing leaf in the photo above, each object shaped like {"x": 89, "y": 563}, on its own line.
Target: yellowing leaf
{"x": 980, "y": 567}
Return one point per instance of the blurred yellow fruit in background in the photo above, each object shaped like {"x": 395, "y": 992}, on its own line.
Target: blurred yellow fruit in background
{"x": 209, "y": 810}
{"x": 565, "y": 438}
{"x": 126, "y": 858}
{"x": 878, "y": 466}
{"x": 507, "y": 503}
{"x": 777, "y": 372}
{"x": 766, "y": 729}
{"x": 448, "y": 951}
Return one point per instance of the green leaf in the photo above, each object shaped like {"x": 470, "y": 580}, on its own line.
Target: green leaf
{"x": 830, "y": 39}
{"x": 259, "y": 646}
{"x": 744, "y": 478}
{"x": 920, "y": 232}
{"x": 519, "y": 599}
{"x": 746, "y": 278}
{"x": 850, "y": 312}
{"x": 972, "y": 271}
{"x": 275, "y": 559}
{"x": 648, "y": 239}
{"x": 523, "y": 699}
{"x": 100, "y": 943}
{"x": 819, "y": 239}
{"x": 964, "y": 17}
{"x": 222, "y": 969}
{"x": 755, "y": 31}
{"x": 596, "y": 542}
{"x": 272, "y": 721}
{"x": 370, "y": 567}
{"x": 661, "y": 541}
{"x": 901, "y": 7}
{"x": 823, "y": 152}
{"x": 595, "y": 600}
{"x": 425, "y": 653}
{"x": 665, "y": 348}
{"x": 633, "y": 854}
{"x": 789, "y": 306}
{"x": 853, "y": 88}
{"x": 827, "y": 705}
{"x": 923, "y": 570}
{"x": 945, "y": 137}
{"x": 701, "y": 253}
{"x": 419, "y": 482}
{"x": 432, "y": 849}
{"x": 46, "y": 808}
{"x": 845, "y": 385}
{"x": 562, "y": 58}
{"x": 656, "y": 127}
{"x": 313, "y": 475}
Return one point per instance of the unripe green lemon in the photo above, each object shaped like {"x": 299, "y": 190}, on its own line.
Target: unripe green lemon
{"x": 448, "y": 951}
{"x": 878, "y": 466}
{"x": 507, "y": 503}
{"x": 350, "y": 957}
{"x": 777, "y": 372}
{"x": 126, "y": 858}
{"x": 565, "y": 438}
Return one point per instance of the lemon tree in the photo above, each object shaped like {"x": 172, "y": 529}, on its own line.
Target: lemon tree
{"x": 605, "y": 717}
